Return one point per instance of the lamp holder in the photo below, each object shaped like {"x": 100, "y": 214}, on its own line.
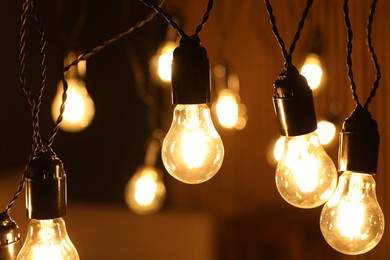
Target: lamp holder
{"x": 190, "y": 72}
{"x": 9, "y": 237}
{"x": 293, "y": 103}
{"x": 45, "y": 187}
{"x": 359, "y": 143}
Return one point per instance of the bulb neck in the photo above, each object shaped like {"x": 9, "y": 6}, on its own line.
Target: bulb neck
{"x": 45, "y": 187}
{"x": 190, "y": 72}
{"x": 293, "y": 104}
{"x": 359, "y": 143}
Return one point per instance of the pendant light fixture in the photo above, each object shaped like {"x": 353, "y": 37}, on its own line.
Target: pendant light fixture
{"x": 47, "y": 237}
{"x": 10, "y": 239}
{"x": 352, "y": 222}
{"x": 192, "y": 150}
{"x": 305, "y": 176}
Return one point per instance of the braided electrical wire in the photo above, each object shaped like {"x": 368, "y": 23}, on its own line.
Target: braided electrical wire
{"x": 169, "y": 18}
{"x": 370, "y": 48}
{"x": 287, "y": 56}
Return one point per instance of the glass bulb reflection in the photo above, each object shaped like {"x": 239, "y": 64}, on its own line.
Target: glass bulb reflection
{"x": 352, "y": 221}
{"x": 192, "y": 150}
{"x": 47, "y": 240}
{"x": 145, "y": 191}
{"x": 305, "y": 176}
{"x": 79, "y": 107}
{"x": 312, "y": 70}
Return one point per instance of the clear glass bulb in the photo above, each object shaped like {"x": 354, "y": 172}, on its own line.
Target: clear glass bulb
{"x": 305, "y": 176}
{"x": 192, "y": 150}
{"x": 145, "y": 191}
{"x": 312, "y": 70}
{"x": 47, "y": 240}
{"x": 227, "y": 108}
{"x": 352, "y": 221}
{"x": 79, "y": 107}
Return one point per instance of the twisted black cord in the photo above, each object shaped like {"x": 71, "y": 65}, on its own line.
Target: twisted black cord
{"x": 373, "y": 55}
{"x": 287, "y": 56}
{"x": 108, "y": 42}
{"x": 42, "y": 54}
{"x": 205, "y": 17}
{"x": 349, "y": 52}
{"x": 298, "y": 33}
{"x": 167, "y": 17}
{"x": 173, "y": 23}
{"x": 18, "y": 191}
{"x": 275, "y": 30}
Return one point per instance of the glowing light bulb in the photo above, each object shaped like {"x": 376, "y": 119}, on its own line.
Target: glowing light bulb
{"x": 352, "y": 221}
{"x": 192, "y": 150}
{"x": 79, "y": 107}
{"x": 47, "y": 240}
{"x": 145, "y": 191}
{"x": 227, "y": 108}
{"x": 160, "y": 65}
{"x": 305, "y": 176}
{"x": 326, "y": 131}
{"x": 312, "y": 70}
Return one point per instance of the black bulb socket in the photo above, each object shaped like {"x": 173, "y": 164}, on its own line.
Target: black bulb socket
{"x": 359, "y": 143}
{"x": 10, "y": 238}
{"x": 293, "y": 104}
{"x": 190, "y": 72}
{"x": 45, "y": 187}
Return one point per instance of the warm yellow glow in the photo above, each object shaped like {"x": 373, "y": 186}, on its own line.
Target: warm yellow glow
{"x": 48, "y": 240}
{"x": 352, "y": 221}
{"x": 312, "y": 70}
{"x": 165, "y": 61}
{"x": 305, "y": 176}
{"x": 79, "y": 107}
{"x": 227, "y": 108}
{"x": 279, "y": 148}
{"x": 192, "y": 150}
{"x": 326, "y": 131}
{"x": 145, "y": 191}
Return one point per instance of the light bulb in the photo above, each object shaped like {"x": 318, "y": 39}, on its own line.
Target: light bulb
{"x": 145, "y": 191}
{"x": 352, "y": 221}
{"x": 279, "y": 148}
{"x": 312, "y": 70}
{"x": 227, "y": 108}
{"x": 192, "y": 150}
{"x": 326, "y": 131}
{"x": 79, "y": 107}
{"x": 160, "y": 64}
{"x": 47, "y": 240}
{"x": 305, "y": 176}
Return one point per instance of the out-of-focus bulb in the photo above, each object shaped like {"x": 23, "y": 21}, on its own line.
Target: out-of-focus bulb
{"x": 79, "y": 107}
{"x": 160, "y": 65}
{"x": 352, "y": 221}
{"x": 192, "y": 150}
{"x": 145, "y": 191}
{"x": 326, "y": 131}
{"x": 312, "y": 70}
{"x": 227, "y": 108}
{"x": 47, "y": 240}
{"x": 305, "y": 176}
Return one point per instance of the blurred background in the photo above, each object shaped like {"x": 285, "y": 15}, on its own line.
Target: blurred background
{"x": 238, "y": 214}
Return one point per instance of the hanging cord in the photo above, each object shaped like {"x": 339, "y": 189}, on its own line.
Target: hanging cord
{"x": 287, "y": 56}
{"x": 172, "y": 22}
{"x": 371, "y": 50}
{"x": 373, "y": 55}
